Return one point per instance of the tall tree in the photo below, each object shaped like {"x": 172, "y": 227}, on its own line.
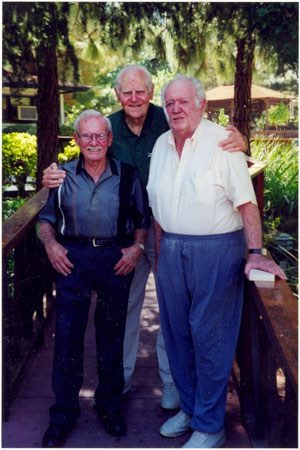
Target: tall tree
{"x": 272, "y": 26}
{"x": 34, "y": 35}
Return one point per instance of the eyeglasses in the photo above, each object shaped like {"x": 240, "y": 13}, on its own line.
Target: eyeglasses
{"x": 101, "y": 137}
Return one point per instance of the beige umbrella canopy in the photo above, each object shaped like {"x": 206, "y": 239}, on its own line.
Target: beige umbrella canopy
{"x": 261, "y": 98}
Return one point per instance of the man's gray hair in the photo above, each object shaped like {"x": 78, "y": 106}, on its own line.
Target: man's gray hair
{"x": 200, "y": 91}
{"x": 90, "y": 113}
{"x": 134, "y": 68}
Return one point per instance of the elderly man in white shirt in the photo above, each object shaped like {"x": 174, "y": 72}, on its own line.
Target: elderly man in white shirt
{"x": 205, "y": 214}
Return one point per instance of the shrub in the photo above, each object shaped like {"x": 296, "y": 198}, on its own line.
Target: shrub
{"x": 281, "y": 179}
{"x": 279, "y": 114}
{"x": 71, "y": 151}
{"x": 19, "y": 159}
{"x": 20, "y": 128}
{"x": 280, "y": 201}
{"x": 10, "y": 205}
{"x": 66, "y": 129}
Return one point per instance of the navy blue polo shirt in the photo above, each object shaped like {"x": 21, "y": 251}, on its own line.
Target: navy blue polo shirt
{"x": 82, "y": 208}
{"x": 133, "y": 149}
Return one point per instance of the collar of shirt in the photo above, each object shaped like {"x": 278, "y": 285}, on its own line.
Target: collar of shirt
{"x": 194, "y": 137}
{"x": 147, "y": 126}
{"x": 110, "y": 169}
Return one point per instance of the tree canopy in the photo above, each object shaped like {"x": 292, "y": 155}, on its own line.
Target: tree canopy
{"x": 50, "y": 39}
{"x": 36, "y": 33}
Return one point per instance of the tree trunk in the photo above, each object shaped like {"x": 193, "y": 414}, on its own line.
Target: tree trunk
{"x": 242, "y": 86}
{"x": 48, "y": 113}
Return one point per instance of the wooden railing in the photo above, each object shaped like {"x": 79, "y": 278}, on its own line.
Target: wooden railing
{"x": 267, "y": 342}
{"x": 26, "y": 277}
{"x": 266, "y": 367}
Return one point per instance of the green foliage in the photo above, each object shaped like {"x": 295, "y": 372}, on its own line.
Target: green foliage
{"x": 20, "y": 128}
{"x": 30, "y": 29}
{"x": 10, "y": 205}
{"x": 274, "y": 26}
{"x": 278, "y": 114}
{"x": 220, "y": 118}
{"x": 281, "y": 181}
{"x": 19, "y": 158}
{"x": 280, "y": 201}
{"x": 260, "y": 123}
{"x": 71, "y": 152}
{"x": 66, "y": 129}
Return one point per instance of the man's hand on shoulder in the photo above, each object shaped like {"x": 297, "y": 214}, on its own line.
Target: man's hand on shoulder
{"x": 53, "y": 177}
{"x": 235, "y": 142}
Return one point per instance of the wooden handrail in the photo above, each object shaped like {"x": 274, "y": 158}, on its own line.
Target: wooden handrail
{"x": 268, "y": 340}
{"x": 279, "y": 311}
{"x": 17, "y": 225}
{"x": 255, "y": 167}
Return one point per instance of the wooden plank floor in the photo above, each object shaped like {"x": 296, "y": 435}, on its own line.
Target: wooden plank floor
{"x": 29, "y": 415}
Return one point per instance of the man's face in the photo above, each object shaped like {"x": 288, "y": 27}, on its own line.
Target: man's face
{"x": 93, "y": 138}
{"x": 134, "y": 94}
{"x": 184, "y": 115}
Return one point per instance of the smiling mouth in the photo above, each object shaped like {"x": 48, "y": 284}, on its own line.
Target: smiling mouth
{"x": 94, "y": 149}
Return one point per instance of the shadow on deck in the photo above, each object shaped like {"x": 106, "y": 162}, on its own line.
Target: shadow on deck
{"x": 29, "y": 411}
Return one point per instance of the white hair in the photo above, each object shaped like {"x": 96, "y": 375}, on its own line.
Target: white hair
{"x": 200, "y": 91}
{"x": 134, "y": 68}
{"x": 90, "y": 113}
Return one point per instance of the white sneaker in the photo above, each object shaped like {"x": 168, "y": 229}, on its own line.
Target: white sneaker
{"x": 170, "y": 398}
{"x": 206, "y": 440}
{"x": 176, "y": 426}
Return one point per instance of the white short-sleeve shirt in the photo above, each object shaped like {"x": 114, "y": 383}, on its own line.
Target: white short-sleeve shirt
{"x": 199, "y": 192}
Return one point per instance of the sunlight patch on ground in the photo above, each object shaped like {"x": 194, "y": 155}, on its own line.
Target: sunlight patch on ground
{"x": 86, "y": 393}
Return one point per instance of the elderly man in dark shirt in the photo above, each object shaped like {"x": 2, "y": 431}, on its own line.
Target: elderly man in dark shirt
{"x": 136, "y": 128}
{"x": 93, "y": 228}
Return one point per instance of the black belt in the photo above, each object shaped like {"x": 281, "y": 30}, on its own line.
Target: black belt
{"x": 95, "y": 242}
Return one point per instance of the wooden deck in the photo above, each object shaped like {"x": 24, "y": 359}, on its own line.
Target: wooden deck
{"x": 29, "y": 413}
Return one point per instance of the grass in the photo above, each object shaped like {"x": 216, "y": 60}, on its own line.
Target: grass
{"x": 281, "y": 180}
{"x": 280, "y": 200}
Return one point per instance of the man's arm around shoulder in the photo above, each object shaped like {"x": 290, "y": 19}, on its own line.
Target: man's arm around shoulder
{"x": 53, "y": 177}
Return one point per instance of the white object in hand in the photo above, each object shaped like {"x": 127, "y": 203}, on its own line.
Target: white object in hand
{"x": 261, "y": 275}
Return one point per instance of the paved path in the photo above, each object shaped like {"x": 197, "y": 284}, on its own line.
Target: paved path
{"x": 29, "y": 415}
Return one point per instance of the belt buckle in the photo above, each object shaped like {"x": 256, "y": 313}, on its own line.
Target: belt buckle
{"x": 94, "y": 243}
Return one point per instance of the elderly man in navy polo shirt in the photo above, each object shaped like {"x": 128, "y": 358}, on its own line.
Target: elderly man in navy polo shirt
{"x": 93, "y": 228}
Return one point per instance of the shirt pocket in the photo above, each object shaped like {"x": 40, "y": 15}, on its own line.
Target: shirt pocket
{"x": 201, "y": 187}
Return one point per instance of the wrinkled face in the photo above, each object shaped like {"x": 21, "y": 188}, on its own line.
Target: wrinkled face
{"x": 184, "y": 115}
{"x": 134, "y": 94}
{"x": 93, "y": 138}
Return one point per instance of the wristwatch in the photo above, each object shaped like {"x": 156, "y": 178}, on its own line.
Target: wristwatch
{"x": 258, "y": 251}
{"x": 142, "y": 247}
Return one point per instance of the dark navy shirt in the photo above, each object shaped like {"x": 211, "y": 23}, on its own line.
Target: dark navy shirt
{"x": 82, "y": 208}
{"x": 133, "y": 149}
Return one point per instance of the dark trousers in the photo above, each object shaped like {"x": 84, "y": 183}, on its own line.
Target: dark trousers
{"x": 93, "y": 270}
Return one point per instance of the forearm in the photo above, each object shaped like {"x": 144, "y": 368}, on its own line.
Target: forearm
{"x": 252, "y": 225}
{"x": 140, "y": 236}
{"x": 57, "y": 254}
{"x": 253, "y": 233}
{"x": 47, "y": 234}
{"x": 158, "y": 234}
